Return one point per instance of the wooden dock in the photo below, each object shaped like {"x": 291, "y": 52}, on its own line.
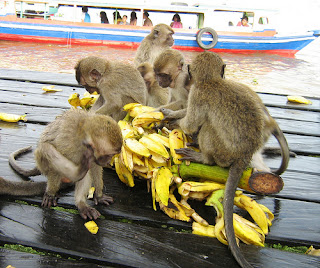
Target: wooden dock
{"x": 131, "y": 234}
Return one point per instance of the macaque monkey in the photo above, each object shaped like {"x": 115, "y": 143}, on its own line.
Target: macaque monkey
{"x": 73, "y": 148}
{"x": 232, "y": 125}
{"x": 159, "y": 39}
{"x": 171, "y": 71}
{"x": 157, "y": 95}
{"x": 117, "y": 83}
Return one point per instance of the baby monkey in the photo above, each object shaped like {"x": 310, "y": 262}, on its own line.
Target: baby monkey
{"x": 73, "y": 148}
{"x": 232, "y": 125}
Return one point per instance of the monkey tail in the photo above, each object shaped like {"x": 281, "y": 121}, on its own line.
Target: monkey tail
{"x": 13, "y": 163}
{"x": 235, "y": 173}
{"x": 285, "y": 152}
{"x": 25, "y": 188}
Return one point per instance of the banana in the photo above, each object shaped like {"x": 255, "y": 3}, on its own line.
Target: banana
{"x": 177, "y": 140}
{"x": 158, "y": 158}
{"x": 153, "y": 146}
{"x": 123, "y": 173}
{"x": 74, "y": 100}
{"x": 204, "y": 187}
{"x": 12, "y": 117}
{"x": 146, "y": 119}
{"x": 162, "y": 184}
{"x": 299, "y": 99}
{"x": 92, "y": 227}
{"x": 199, "y": 229}
{"x": 127, "y": 158}
{"x": 160, "y": 139}
{"x": 50, "y": 89}
{"x": 134, "y": 109}
{"x": 126, "y": 129}
{"x": 247, "y": 232}
{"x": 136, "y": 160}
{"x": 136, "y": 147}
{"x": 256, "y": 212}
{"x": 174, "y": 210}
{"x": 270, "y": 215}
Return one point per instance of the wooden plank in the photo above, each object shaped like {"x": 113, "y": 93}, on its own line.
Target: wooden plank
{"x": 27, "y": 260}
{"x": 43, "y": 77}
{"x": 43, "y": 115}
{"x": 307, "y": 116}
{"x": 128, "y": 243}
{"x": 304, "y": 145}
{"x": 299, "y": 127}
{"x": 273, "y": 100}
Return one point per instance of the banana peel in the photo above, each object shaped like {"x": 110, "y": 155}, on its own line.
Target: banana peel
{"x": 146, "y": 119}
{"x": 162, "y": 184}
{"x": 255, "y": 211}
{"x": 123, "y": 173}
{"x": 155, "y": 147}
{"x": 13, "y": 118}
{"x": 298, "y": 99}
{"x": 92, "y": 227}
{"x": 136, "y": 147}
{"x": 134, "y": 109}
{"x": 174, "y": 209}
{"x": 74, "y": 100}
{"x": 199, "y": 229}
{"x": 177, "y": 140}
{"x": 204, "y": 187}
{"x": 50, "y": 89}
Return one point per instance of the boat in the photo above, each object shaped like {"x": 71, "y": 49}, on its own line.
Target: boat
{"x": 205, "y": 27}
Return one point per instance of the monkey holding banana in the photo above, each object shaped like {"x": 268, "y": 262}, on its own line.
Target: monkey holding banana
{"x": 72, "y": 148}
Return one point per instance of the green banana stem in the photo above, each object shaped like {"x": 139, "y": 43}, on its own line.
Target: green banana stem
{"x": 215, "y": 200}
{"x": 214, "y": 173}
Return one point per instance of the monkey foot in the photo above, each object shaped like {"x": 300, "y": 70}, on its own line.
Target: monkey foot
{"x": 189, "y": 154}
{"x": 49, "y": 200}
{"x": 104, "y": 199}
{"x": 89, "y": 212}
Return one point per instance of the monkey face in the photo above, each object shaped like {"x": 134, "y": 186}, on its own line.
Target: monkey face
{"x": 164, "y": 79}
{"x": 104, "y": 160}
{"x": 170, "y": 40}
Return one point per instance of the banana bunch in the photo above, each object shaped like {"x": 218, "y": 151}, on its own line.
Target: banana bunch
{"x": 12, "y": 117}
{"x": 150, "y": 155}
{"x": 85, "y": 102}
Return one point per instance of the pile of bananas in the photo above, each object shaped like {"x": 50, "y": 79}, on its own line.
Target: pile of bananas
{"x": 150, "y": 154}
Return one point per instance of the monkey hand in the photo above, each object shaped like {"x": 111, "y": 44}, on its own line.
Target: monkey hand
{"x": 104, "y": 199}
{"x": 49, "y": 200}
{"x": 86, "y": 161}
{"x": 89, "y": 212}
{"x": 168, "y": 114}
{"x": 190, "y": 155}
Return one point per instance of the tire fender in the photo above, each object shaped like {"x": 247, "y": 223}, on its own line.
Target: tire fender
{"x": 214, "y": 36}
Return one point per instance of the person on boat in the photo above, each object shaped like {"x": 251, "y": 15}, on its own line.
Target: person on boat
{"x": 116, "y": 17}
{"x": 124, "y": 20}
{"x": 147, "y": 21}
{"x": 85, "y": 15}
{"x": 103, "y": 17}
{"x": 133, "y": 18}
{"x": 176, "y": 21}
{"x": 243, "y": 22}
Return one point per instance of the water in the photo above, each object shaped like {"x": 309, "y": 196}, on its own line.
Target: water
{"x": 299, "y": 75}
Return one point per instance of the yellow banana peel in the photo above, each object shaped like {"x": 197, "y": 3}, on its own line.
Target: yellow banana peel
{"x": 136, "y": 147}
{"x": 91, "y": 192}
{"x": 74, "y": 100}
{"x": 299, "y": 99}
{"x": 123, "y": 173}
{"x": 159, "y": 139}
{"x": 270, "y": 215}
{"x": 177, "y": 140}
{"x": 162, "y": 184}
{"x": 256, "y": 212}
{"x": 312, "y": 251}
{"x": 126, "y": 129}
{"x": 50, "y": 89}
{"x": 153, "y": 146}
{"x": 146, "y": 119}
{"x": 92, "y": 227}
{"x": 247, "y": 232}
{"x": 127, "y": 157}
{"x": 12, "y": 117}
{"x": 134, "y": 109}
{"x": 174, "y": 209}
{"x": 192, "y": 186}
{"x": 199, "y": 229}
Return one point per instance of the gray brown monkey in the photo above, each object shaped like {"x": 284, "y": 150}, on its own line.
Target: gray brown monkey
{"x": 157, "y": 95}
{"x": 171, "y": 71}
{"x": 72, "y": 148}
{"x": 117, "y": 83}
{"x": 159, "y": 39}
{"x": 232, "y": 125}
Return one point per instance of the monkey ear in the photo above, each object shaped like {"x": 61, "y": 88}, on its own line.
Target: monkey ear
{"x": 95, "y": 75}
{"x": 222, "y": 70}
{"x": 155, "y": 33}
{"x": 181, "y": 63}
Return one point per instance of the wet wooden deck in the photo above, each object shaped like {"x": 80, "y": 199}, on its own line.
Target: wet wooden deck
{"x": 131, "y": 233}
